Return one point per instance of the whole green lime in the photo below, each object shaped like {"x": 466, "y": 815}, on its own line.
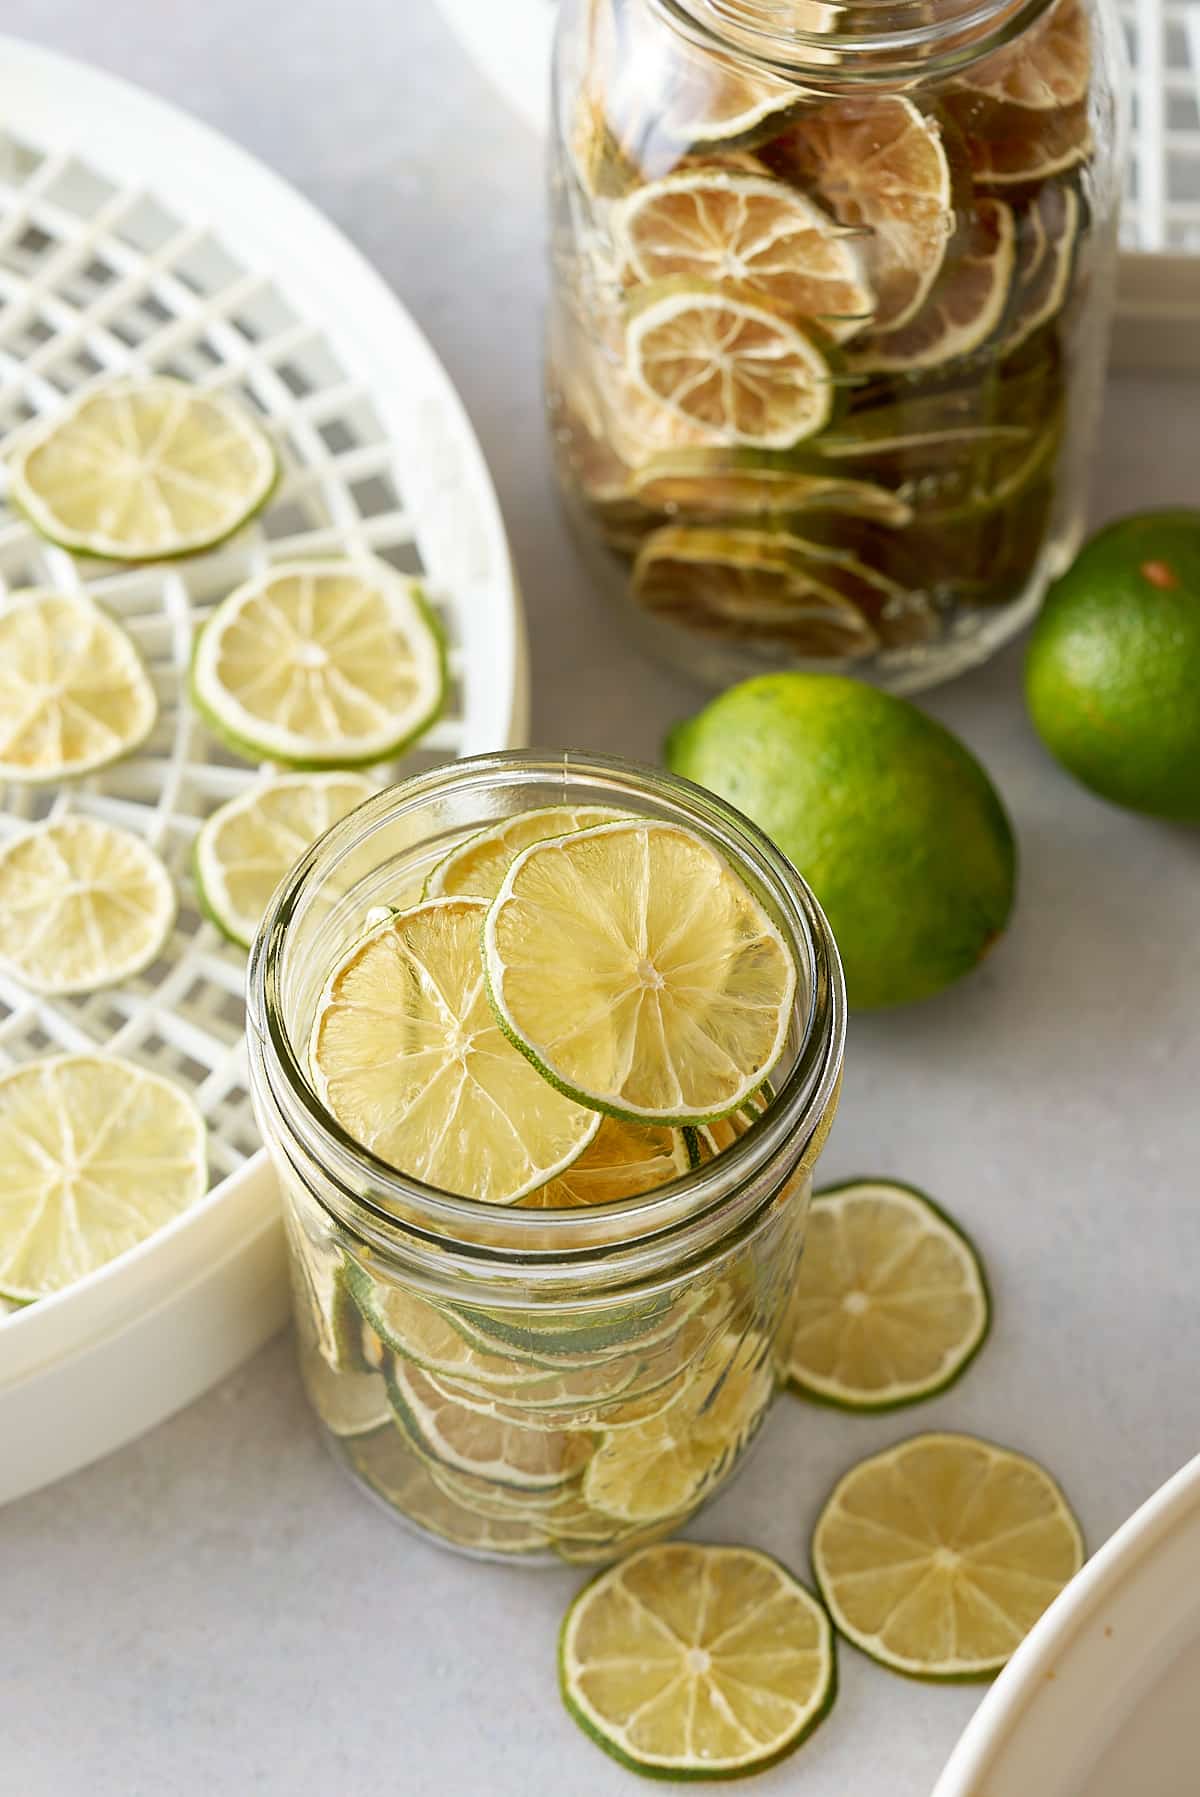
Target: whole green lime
{"x": 893, "y": 822}
{"x": 1113, "y": 673}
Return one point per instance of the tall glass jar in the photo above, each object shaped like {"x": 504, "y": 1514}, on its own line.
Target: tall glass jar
{"x": 532, "y": 1382}
{"x": 831, "y": 287}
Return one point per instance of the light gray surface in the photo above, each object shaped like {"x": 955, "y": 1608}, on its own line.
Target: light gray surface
{"x": 213, "y": 1609}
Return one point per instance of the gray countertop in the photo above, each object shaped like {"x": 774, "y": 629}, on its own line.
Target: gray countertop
{"x": 214, "y": 1609}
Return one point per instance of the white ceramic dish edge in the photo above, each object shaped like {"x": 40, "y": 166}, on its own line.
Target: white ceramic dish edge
{"x": 1089, "y": 1658}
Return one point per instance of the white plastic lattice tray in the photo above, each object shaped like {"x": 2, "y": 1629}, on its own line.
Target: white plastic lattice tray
{"x": 1158, "y": 302}
{"x": 146, "y": 242}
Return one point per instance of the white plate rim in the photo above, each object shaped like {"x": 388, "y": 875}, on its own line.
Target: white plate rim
{"x": 977, "y": 1759}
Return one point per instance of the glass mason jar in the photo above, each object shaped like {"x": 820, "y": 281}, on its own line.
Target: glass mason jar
{"x": 831, "y": 288}
{"x": 535, "y": 1382}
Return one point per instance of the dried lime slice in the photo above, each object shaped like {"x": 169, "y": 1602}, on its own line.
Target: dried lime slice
{"x": 247, "y": 846}
{"x": 663, "y": 1464}
{"x": 720, "y": 226}
{"x": 891, "y": 1305}
{"x": 408, "y": 1057}
{"x": 448, "y": 1433}
{"x": 143, "y": 469}
{"x": 1046, "y": 67}
{"x": 762, "y": 584}
{"x": 1048, "y": 234}
{"x": 83, "y": 904}
{"x": 348, "y": 1403}
{"x": 406, "y": 1483}
{"x": 625, "y": 1160}
{"x": 321, "y": 665}
{"x": 74, "y": 695}
{"x": 727, "y": 364}
{"x": 964, "y": 308}
{"x": 477, "y": 867}
{"x": 687, "y": 1661}
{"x": 741, "y": 485}
{"x": 672, "y": 991}
{"x": 97, "y": 1154}
{"x": 880, "y": 164}
{"x": 937, "y": 1556}
{"x": 1016, "y": 146}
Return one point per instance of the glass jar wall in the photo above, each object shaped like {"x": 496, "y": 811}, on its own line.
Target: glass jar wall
{"x": 533, "y": 1382}
{"x": 831, "y": 287}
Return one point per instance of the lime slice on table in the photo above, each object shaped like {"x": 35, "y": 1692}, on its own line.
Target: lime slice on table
{"x": 720, "y": 226}
{"x": 688, "y": 1661}
{"x": 143, "y": 469}
{"x": 891, "y": 1304}
{"x": 964, "y": 307}
{"x": 476, "y": 869}
{"x": 937, "y": 1556}
{"x": 410, "y": 1060}
{"x": 725, "y": 362}
{"x": 247, "y": 846}
{"x": 405, "y": 1483}
{"x": 672, "y": 991}
{"x": 760, "y": 584}
{"x": 97, "y": 1154}
{"x": 659, "y": 1467}
{"x": 881, "y": 166}
{"x": 74, "y": 695}
{"x": 83, "y": 904}
{"x": 321, "y": 665}
{"x": 451, "y": 1434}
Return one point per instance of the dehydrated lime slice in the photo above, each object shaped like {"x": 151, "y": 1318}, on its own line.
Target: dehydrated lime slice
{"x": 408, "y": 1057}
{"x": 964, "y": 308}
{"x": 937, "y": 1556}
{"x": 625, "y": 1160}
{"x": 1046, "y": 67}
{"x": 763, "y": 584}
{"x": 687, "y": 1661}
{"x": 880, "y": 164}
{"x": 672, "y": 990}
{"x": 97, "y": 1154}
{"x": 1048, "y": 233}
{"x": 477, "y": 867}
{"x": 720, "y": 226}
{"x": 143, "y": 469}
{"x": 83, "y": 904}
{"x": 247, "y": 846}
{"x": 321, "y": 665}
{"x": 405, "y": 1482}
{"x": 739, "y": 485}
{"x": 74, "y": 695}
{"x": 450, "y": 1434}
{"x": 891, "y": 1304}
{"x": 728, "y": 365}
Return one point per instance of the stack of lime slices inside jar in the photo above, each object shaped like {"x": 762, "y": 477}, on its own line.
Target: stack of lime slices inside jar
{"x": 582, "y": 1007}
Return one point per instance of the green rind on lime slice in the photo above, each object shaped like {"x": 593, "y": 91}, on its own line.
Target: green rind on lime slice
{"x": 695, "y": 1770}
{"x": 259, "y": 752}
{"x": 969, "y": 1349}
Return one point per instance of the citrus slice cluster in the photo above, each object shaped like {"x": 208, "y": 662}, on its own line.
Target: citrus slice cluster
{"x": 612, "y": 968}
{"x": 583, "y": 1007}
{"x": 756, "y": 275}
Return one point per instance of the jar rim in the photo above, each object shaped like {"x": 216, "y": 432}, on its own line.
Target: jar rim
{"x": 853, "y": 41}
{"x": 451, "y": 1233}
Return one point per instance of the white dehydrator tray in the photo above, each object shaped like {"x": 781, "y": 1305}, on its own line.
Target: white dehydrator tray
{"x": 1158, "y": 299}
{"x": 144, "y": 241}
